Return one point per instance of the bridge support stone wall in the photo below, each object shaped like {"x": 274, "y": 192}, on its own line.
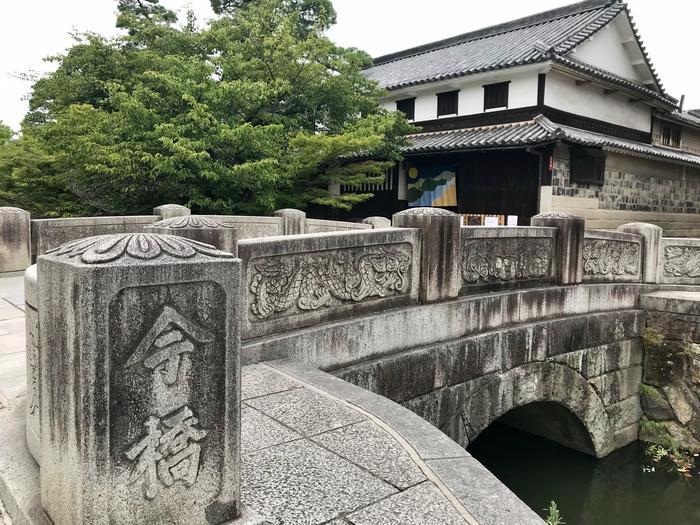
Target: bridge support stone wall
{"x": 590, "y": 364}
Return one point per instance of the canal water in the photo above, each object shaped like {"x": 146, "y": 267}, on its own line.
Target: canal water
{"x": 616, "y": 490}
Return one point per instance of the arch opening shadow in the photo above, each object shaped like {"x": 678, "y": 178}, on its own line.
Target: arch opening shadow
{"x": 551, "y": 421}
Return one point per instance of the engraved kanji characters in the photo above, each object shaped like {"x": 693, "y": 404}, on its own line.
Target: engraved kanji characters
{"x": 169, "y": 452}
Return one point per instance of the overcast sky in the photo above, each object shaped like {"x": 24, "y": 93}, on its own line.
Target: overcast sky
{"x": 32, "y": 30}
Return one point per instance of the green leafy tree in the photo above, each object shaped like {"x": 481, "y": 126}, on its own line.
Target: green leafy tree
{"x": 255, "y": 111}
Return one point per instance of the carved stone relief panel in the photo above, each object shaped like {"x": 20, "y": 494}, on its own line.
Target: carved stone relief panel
{"x": 285, "y": 285}
{"x": 492, "y": 260}
{"x": 611, "y": 258}
{"x": 682, "y": 261}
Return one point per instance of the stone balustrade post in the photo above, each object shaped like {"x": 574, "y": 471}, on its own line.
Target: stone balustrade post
{"x": 203, "y": 229}
{"x": 652, "y": 241}
{"x": 568, "y": 252}
{"x": 139, "y": 358}
{"x": 31, "y": 324}
{"x": 167, "y": 211}
{"x": 441, "y": 253}
{"x": 294, "y": 221}
{"x": 377, "y": 222}
{"x": 15, "y": 240}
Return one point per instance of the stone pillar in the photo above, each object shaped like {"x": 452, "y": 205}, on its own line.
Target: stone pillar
{"x": 377, "y": 222}
{"x": 140, "y": 381}
{"x": 652, "y": 241}
{"x": 441, "y": 254}
{"x": 568, "y": 253}
{"x": 202, "y": 229}
{"x": 294, "y": 221}
{"x": 166, "y": 211}
{"x": 15, "y": 240}
{"x": 31, "y": 320}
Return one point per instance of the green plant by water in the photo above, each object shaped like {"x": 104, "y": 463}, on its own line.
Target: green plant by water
{"x": 553, "y": 515}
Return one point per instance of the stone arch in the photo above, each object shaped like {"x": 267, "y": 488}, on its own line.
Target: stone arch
{"x": 537, "y": 383}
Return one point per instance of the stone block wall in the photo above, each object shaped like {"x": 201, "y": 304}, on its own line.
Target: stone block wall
{"x": 633, "y": 184}
{"x": 671, "y": 392}
{"x": 590, "y": 364}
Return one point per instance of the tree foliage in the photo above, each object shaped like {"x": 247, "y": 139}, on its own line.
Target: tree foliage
{"x": 257, "y": 110}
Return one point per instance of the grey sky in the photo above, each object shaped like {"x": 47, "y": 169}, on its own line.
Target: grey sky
{"x": 30, "y": 31}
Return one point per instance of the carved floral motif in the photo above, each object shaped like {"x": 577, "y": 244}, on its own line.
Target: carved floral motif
{"x": 506, "y": 259}
{"x": 191, "y": 221}
{"x": 11, "y": 209}
{"x": 315, "y": 280}
{"x": 427, "y": 211}
{"x": 143, "y": 246}
{"x": 682, "y": 261}
{"x": 609, "y": 257}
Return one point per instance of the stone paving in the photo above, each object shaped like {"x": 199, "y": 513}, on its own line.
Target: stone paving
{"x": 308, "y": 457}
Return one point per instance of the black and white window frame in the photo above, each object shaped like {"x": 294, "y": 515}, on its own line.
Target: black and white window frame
{"x": 448, "y": 103}
{"x": 496, "y": 95}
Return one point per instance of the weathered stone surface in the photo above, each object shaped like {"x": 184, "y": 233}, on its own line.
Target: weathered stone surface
{"x": 293, "y": 409}
{"x": 441, "y": 255}
{"x": 167, "y": 211}
{"x": 325, "y": 226}
{"x": 679, "y": 261}
{"x": 377, "y": 222}
{"x": 15, "y": 240}
{"x": 488, "y": 501}
{"x": 419, "y": 505}
{"x": 678, "y": 397}
{"x": 48, "y": 234}
{"x": 293, "y": 221}
{"x": 300, "y": 482}
{"x": 260, "y": 431}
{"x": 681, "y": 435}
{"x": 650, "y": 256}
{"x": 672, "y": 301}
{"x": 655, "y": 405}
{"x": 625, "y": 413}
{"x": 569, "y": 244}
{"x": 198, "y": 228}
{"x": 395, "y": 330}
{"x": 506, "y": 256}
{"x": 599, "y": 360}
{"x": 612, "y": 256}
{"x": 665, "y": 364}
{"x": 140, "y": 399}
{"x": 259, "y": 380}
{"x": 297, "y": 281}
{"x": 368, "y": 446}
{"x": 617, "y": 386}
{"x": 252, "y": 227}
{"x": 33, "y": 397}
{"x": 627, "y": 435}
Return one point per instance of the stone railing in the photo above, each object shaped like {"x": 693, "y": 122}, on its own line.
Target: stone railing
{"x": 494, "y": 258}
{"x": 679, "y": 261}
{"x": 23, "y": 239}
{"x": 149, "y": 339}
{"x": 302, "y": 280}
{"x": 612, "y": 256}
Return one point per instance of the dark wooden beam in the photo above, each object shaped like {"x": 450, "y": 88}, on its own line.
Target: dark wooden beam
{"x": 610, "y": 91}
{"x": 635, "y": 100}
{"x": 582, "y": 82}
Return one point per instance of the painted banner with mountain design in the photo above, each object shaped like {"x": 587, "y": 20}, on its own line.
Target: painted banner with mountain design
{"x": 432, "y": 186}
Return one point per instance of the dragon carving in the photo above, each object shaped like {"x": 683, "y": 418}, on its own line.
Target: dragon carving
{"x": 322, "y": 279}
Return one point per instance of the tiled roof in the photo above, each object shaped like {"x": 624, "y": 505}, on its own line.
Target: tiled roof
{"x": 689, "y": 118}
{"x": 525, "y": 41}
{"x": 514, "y": 134}
{"x": 611, "y": 78}
{"x": 540, "y": 130}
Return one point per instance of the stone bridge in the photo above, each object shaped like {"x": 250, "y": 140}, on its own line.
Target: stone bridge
{"x": 540, "y": 327}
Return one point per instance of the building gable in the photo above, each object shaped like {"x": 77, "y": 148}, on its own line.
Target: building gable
{"x": 615, "y": 48}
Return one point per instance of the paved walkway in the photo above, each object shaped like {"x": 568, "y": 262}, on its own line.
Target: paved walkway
{"x": 12, "y": 367}
{"x": 315, "y": 450}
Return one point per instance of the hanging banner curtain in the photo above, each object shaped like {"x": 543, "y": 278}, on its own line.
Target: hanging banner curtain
{"x": 432, "y": 186}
